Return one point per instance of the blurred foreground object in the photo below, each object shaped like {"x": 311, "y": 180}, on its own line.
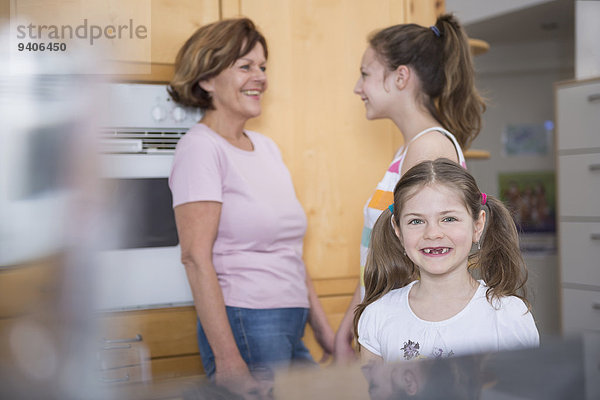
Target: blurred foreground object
{"x": 560, "y": 369}
{"x": 48, "y": 201}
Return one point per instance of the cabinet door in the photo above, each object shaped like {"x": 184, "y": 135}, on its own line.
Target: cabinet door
{"x": 581, "y": 310}
{"x": 165, "y": 332}
{"x": 578, "y": 115}
{"x": 579, "y": 185}
{"x": 580, "y": 252}
{"x": 174, "y": 21}
{"x": 334, "y": 154}
{"x": 162, "y": 341}
{"x": 423, "y": 12}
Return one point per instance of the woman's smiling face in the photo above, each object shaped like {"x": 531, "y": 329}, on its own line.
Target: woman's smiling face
{"x": 238, "y": 89}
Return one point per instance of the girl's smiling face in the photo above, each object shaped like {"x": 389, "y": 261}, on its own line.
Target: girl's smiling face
{"x": 372, "y": 85}
{"x": 437, "y": 230}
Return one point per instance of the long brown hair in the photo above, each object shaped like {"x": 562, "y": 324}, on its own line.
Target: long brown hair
{"x": 441, "y": 57}
{"x": 209, "y": 51}
{"x": 499, "y": 261}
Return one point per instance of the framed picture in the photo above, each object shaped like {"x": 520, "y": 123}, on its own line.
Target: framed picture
{"x": 527, "y": 139}
{"x": 530, "y": 196}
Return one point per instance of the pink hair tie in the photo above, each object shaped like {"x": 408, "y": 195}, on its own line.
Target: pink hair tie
{"x": 483, "y": 198}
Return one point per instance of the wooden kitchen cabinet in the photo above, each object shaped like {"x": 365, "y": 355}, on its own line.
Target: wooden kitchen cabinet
{"x": 173, "y": 22}
{"x": 158, "y": 344}
{"x": 152, "y": 344}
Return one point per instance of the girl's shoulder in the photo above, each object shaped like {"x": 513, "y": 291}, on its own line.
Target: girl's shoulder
{"x": 512, "y": 304}
{"x": 392, "y": 298}
{"x": 509, "y": 305}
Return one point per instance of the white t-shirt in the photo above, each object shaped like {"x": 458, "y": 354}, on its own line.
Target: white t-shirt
{"x": 389, "y": 328}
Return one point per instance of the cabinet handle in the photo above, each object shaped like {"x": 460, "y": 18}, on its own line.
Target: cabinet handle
{"x": 137, "y": 338}
{"x": 596, "y": 305}
{"x": 115, "y": 380}
{"x": 594, "y": 167}
{"x": 595, "y": 236}
{"x": 117, "y": 347}
{"x": 594, "y": 97}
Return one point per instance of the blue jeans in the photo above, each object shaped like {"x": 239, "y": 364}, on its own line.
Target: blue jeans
{"x": 266, "y": 338}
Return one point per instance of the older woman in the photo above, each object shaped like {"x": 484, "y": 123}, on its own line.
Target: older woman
{"x": 240, "y": 224}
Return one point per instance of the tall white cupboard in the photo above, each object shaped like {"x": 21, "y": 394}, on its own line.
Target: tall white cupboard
{"x": 578, "y": 182}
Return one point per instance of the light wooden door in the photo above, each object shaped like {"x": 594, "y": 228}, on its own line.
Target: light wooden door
{"x": 335, "y": 155}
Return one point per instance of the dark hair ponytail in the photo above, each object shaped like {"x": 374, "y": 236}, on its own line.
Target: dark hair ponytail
{"x": 459, "y": 105}
{"x": 387, "y": 266}
{"x": 500, "y": 261}
{"x": 441, "y": 57}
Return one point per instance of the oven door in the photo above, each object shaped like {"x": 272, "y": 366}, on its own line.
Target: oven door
{"x": 139, "y": 261}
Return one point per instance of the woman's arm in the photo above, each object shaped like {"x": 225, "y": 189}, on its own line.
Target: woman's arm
{"x": 343, "y": 351}
{"x": 197, "y": 224}
{"x": 318, "y": 321}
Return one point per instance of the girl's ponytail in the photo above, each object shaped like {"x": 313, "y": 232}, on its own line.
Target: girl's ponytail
{"x": 441, "y": 56}
{"x": 387, "y": 267}
{"x": 459, "y": 105}
{"x": 500, "y": 260}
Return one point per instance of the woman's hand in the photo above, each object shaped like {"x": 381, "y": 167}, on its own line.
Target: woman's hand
{"x": 318, "y": 322}
{"x": 326, "y": 338}
{"x": 236, "y": 377}
{"x": 343, "y": 352}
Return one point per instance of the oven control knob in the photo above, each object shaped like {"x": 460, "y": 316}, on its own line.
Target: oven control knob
{"x": 179, "y": 114}
{"x": 158, "y": 113}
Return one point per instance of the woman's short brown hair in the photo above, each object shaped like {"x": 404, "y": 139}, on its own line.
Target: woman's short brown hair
{"x": 210, "y": 50}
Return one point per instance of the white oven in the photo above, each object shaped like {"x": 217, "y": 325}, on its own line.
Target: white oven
{"x": 139, "y": 262}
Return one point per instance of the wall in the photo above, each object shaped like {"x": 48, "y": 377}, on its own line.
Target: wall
{"x": 587, "y": 51}
{"x": 470, "y": 11}
{"x": 517, "y": 80}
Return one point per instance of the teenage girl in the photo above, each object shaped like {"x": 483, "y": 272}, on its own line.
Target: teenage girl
{"x": 423, "y": 80}
{"x": 421, "y": 298}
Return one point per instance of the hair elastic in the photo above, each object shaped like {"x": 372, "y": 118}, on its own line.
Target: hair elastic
{"x": 483, "y": 198}
{"x": 435, "y": 30}
{"x": 391, "y": 208}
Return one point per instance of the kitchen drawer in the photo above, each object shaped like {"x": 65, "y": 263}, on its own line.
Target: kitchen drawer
{"x": 163, "y": 339}
{"x": 581, "y": 310}
{"x": 578, "y": 115}
{"x": 28, "y": 288}
{"x": 579, "y": 185}
{"x": 132, "y": 374}
{"x": 164, "y": 332}
{"x": 122, "y": 355}
{"x": 173, "y": 367}
{"x": 580, "y": 252}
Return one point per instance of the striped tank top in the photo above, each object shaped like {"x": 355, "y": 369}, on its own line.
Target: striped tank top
{"x": 384, "y": 194}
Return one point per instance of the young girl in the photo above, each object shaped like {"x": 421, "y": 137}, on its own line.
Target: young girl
{"x": 421, "y": 78}
{"x": 421, "y": 299}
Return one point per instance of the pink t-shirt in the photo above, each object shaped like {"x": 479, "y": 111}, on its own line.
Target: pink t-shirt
{"x": 258, "y": 250}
